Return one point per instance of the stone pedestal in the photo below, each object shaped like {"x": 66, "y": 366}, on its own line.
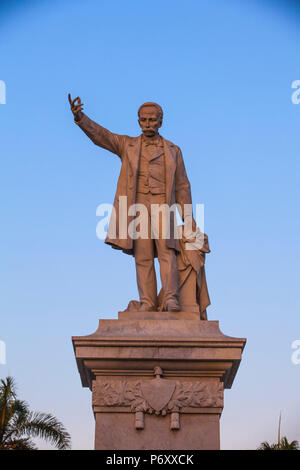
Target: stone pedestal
{"x": 157, "y": 379}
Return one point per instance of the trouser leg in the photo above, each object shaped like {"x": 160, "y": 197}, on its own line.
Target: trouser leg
{"x": 168, "y": 270}
{"x": 160, "y": 229}
{"x": 145, "y": 271}
{"x": 144, "y": 258}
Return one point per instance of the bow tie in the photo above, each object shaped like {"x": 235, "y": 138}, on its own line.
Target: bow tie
{"x": 156, "y": 142}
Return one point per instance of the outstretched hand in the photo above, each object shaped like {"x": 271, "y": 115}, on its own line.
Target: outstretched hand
{"x": 76, "y": 107}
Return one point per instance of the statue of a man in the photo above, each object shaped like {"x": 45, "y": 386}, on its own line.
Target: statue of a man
{"x": 152, "y": 173}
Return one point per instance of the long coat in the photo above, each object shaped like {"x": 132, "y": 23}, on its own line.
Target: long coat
{"x": 129, "y": 149}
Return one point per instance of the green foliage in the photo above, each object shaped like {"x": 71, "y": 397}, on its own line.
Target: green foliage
{"x": 283, "y": 445}
{"x": 18, "y": 424}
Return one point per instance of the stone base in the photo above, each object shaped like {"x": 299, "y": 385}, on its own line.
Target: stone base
{"x": 116, "y": 431}
{"x": 157, "y": 379}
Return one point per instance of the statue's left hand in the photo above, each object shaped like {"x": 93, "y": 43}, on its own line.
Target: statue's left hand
{"x": 190, "y": 236}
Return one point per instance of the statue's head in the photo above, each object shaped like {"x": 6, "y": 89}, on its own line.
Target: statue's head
{"x": 150, "y": 118}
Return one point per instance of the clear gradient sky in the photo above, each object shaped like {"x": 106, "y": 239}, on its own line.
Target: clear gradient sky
{"x": 222, "y": 71}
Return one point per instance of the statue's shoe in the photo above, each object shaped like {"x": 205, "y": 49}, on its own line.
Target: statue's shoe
{"x": 146, "y": 308}
{"x": 173, "y": 306}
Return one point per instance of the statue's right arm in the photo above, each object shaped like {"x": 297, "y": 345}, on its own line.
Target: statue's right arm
{"x": 98, "y": 134}
{"x": 101, "y": 136}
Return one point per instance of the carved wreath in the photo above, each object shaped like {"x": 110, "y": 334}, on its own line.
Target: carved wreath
{"x": 163, "y": 397}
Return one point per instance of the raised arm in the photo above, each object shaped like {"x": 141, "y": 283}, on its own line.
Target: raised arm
{"x": 98, "y": 134}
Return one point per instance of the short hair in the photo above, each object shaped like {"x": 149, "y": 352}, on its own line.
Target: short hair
{"x": 153, "y": 105}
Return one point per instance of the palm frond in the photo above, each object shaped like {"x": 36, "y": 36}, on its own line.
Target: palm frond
{"x": 18, "y": 424}
{"x": 286, "y": 445}
{"x": 266, "y": 446}
{"x": 283, "y": 445}
{"x": 18, "y": 444}
{"x": 47, "y": 427}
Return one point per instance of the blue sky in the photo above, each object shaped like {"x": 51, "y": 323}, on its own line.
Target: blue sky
{"x": 222, "y": 71}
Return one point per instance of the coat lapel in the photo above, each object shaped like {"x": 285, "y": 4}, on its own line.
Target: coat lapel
{"x": 158, "y": 152}
{"x": 133, "y": 153}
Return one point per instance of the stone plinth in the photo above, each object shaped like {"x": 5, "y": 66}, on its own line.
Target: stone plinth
{"x": 157, "y": 379}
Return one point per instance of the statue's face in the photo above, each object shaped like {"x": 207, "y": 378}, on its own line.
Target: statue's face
{"x": 149, "y": 121}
